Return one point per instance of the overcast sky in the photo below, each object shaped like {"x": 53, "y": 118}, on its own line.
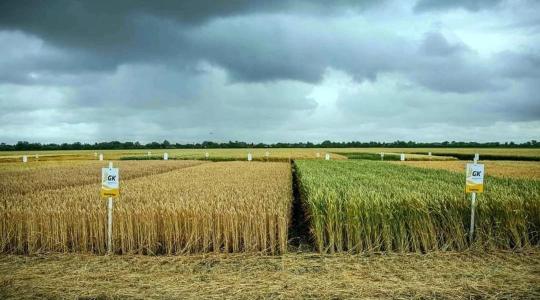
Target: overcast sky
{"x": 269, "y": 71}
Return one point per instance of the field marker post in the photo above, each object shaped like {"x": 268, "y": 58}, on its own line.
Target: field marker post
{"x": 109, "y": 226}
{"x": 429, "y": 154}
{"x": 473, "y": 202}
{"x": 327, "y": 156}
{"x": 206, "y": 155}
{"x": 165, "y": 156}
{"x": 473, "y": 206}
{"x": 402, "y": 157}
{"x": 110, "y": 178}
{"x": 109, "y": 220}
{"x": 382, "y": 155}
{"x": 24, "y": 159}
{"x": 250, "y": 157}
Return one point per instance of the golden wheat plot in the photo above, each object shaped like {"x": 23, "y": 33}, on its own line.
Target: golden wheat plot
{"x": 505, "y": 169}
{"x": 220, "y": 207}
{"x": 18, "y": 178}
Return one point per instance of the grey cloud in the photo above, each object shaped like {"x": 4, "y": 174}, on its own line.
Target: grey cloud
{"x": 166, "y": 97}
{"x": 109, "y": 24}
{"x": 418, "y": 108}
{"x": 519, "y": 65}
{"x": 435, "y": 44}
{"x": 252, "y": 48}
{"x": 269, "y": 47}
{"x": 101, "y": 35}
{"x": 471, "y": 5}
{"x": 451, "y": 67}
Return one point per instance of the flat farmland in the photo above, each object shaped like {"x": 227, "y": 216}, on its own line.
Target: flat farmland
{"x": 277, "y": 154}
{"x": 300, "y": 228}
{"x": 258, "y": 154}
{"x": 460, "y": 153}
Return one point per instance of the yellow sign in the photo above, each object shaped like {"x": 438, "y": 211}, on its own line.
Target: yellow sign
{"x": 475, "y": 178}
{"x": 110, "y": 182}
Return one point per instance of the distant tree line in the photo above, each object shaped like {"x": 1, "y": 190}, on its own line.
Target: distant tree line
{"x": 24, "y": 145}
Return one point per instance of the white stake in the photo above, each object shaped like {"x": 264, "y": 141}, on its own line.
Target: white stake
{"x": 473, "y": 204}
{"x": 24, "y": 159}
{"x": 101, "y": 156}
{"x": 327, "y": 156}
{"x": 382, "y": 155}
{"x": 206, "y": 155}
{"x": 109, "y": 226}
{"x": 402, "y": 157}
{"x": 109, "y": 220}
{"x": 165, "y": 156}
{"x": 249, "y": 157}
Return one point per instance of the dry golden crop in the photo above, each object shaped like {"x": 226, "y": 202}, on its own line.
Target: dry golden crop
{"x": 19, "y": 178}
{"x": 258, "y": 154}
{"x": 507, "y": 169}
{"x": 219, "y": 207}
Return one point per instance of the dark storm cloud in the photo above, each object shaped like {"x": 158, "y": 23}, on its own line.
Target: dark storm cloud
{"x": 265, "y": 70}
{"x": 112, "y": 25}
{"x": 239, "y": 36}
{"x": 100, "y": 35}
{"x": 472, "y": 5}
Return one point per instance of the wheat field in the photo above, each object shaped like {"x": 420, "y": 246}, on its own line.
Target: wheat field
{"x": 19, "y": 178}
{"x": 183, "y": 208}
{"x": 366, "y": 206}
{"x": 503, "y": 169}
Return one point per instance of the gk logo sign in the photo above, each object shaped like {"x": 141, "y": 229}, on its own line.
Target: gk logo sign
{"x": 110, "y": 182}
{"x": 475, "y": 178}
